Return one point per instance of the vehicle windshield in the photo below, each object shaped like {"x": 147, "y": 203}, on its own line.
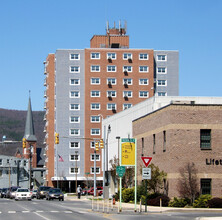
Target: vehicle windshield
{"x": 55, "y": 190}
{"x": 44, "y": 188}
{"x": 22, "y": 190}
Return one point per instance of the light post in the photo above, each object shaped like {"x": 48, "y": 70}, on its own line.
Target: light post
{"x": 106, "y": 149}
{"x": 118, "y": 138}
{"x": 30, "y": 165}
{"x": 76, "y": 158}
{"x": 94, "y": 172}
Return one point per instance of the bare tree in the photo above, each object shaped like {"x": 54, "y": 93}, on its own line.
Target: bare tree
{"x": 188, "y": 183}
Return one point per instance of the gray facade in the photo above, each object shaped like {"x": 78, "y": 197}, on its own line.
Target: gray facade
{"x": 166, "y": 73}
{"x": 69, "y": 114}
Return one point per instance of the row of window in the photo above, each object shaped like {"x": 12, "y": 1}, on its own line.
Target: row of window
{"x": 77, "y": 145}
{"x": 9, "y": 162}
{"x": 76, "y": 170}
{"x": 76, "y": 131}
{"x": 113, "y": 56}
{"x": 76, "y": 157}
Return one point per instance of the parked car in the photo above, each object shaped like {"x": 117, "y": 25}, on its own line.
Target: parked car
{"x": 55, "y": 193}
{"x": 3, "y": 192}
{"x": 34, "y": 192}
{"x": 99, "y": 190}
{"x": 23, "y": 193}
{"x": 41, "y": 192}
{"x": 84, "y": 191}
{"x": 11, "y": 192}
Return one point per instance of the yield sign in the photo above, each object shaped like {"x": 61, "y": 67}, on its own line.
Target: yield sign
{"x": 146, "y": 160}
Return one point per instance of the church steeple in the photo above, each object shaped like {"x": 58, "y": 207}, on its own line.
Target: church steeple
{"x": 29, "y": 127}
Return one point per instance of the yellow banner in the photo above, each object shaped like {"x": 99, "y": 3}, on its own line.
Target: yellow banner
{"x": 128, "y": 154}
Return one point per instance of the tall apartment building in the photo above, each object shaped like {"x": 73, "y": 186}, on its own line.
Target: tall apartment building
{"x": 84, "y": 86}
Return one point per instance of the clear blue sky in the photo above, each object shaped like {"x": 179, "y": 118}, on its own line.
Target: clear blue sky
{"x": 30, "y": 29}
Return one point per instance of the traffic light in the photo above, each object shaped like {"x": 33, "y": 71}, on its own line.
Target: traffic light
{"x": 24, "y": 142}
{"x": 57, "y": 138}
{"x": 97, "y": 146}
{"x": 101, "y": 143}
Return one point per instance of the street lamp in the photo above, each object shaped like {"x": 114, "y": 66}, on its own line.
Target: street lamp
{"x": 106, "y": 148}
{"x": 76, "y": 158}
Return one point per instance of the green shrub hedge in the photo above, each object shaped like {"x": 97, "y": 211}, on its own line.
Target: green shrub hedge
{"x": 202, "y": 201}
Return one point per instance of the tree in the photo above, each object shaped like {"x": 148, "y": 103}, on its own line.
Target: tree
{"x": 188, "y": 183}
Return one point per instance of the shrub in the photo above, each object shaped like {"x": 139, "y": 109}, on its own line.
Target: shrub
{"x": 156, "y": 201}
{"x": 215, "y": 203}
{"x": 128, "y": 194}
{"x": 179, "y": 202}
{"x": 202, "y": 201}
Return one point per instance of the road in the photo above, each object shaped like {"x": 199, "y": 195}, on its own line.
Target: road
{"x": 81, "y": 210}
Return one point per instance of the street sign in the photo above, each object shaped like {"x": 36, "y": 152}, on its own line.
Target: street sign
{"x": 146, "y": 173}
{"x": 146, "y": 160}
{"x": 128, "y": 152}
{"x": 120, "y": 170}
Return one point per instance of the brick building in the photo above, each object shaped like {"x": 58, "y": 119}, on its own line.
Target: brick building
{"x": 84, "y": 86}
{"x": 181, "y": 133}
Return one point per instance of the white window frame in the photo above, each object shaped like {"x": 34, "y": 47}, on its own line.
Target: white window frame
{"x": 95, "y": 81}
{"x": 111, "y": 68}
{"x": 160, "y": 82}
{"x": 92, "y": 157}
{"x": 74, "y": 129}
{"x": 74, "y": 69}
{"x": 76, "y": 117}
{"x": 128, "y": 94}
{"x": 161, "y": 93}
{"x": 76, "y": 104}
{"x": 127, "y": 56}
{"x": 95, "y": 68}
{"x": 74, "y": 80}
{"x": 74, "y": 143}
{"x": 111, "y": 55}
{"x": 143, "y": 69}
{"x": 70, "y": 170}
{"x": 73, "y": 56}
{"x": 128, "y": 81}
{"x": 159, "y": 57}
{"x": 95, "y": 131}
{"x": 1, "y": 162}
{"x": 92, "y": 170}
{"x": 96, "y": 104}
{"x": 143, "y": 92}
{"x": 95, "y": 93}
{"x": 95, "y": 55}
{"x": 160, "y": 70}
{"x": 92, "y": 144}
{"x": 74, "y": 159}
{"x": 142, "y": 80}
{"x": 95, "y": 119}
{"x": 128, "y": 69}
{"x": 127, "y": 105}
{"x": 111, "y": 93}
{"x": 142, "y": 56}
{"x": 76, "y": 94}
{"x": 110, "y": 106}
{"x": 111, "y": 80}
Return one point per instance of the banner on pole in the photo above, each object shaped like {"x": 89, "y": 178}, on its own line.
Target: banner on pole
{"x": 128, "y": 151}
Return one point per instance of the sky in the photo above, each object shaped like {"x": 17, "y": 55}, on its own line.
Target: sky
{"x": 31, "y": 29}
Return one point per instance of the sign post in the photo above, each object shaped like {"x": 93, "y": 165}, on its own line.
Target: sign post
{"x": 146, "y": 175}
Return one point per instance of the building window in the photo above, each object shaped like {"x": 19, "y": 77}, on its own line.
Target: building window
{"x": 154, "y": 143}
{"x": 74, "y": 94}
{"x": 127, "y": 81}
{"x": 205, "y": 139}
{"x": 143, "y": 82}
{"x": 24, "y": 163}
{"x": 95, "y": 68}
{"x": 95, "y": 93}
{"x": 127, "y": 94}
{"x": 111, "y": 56}
{"x": 95, "y": 131}
{"x": 161, "y": 57}
{"x": 74, "y": 82}
{"x": 142, "y": 146}
{"x": 74, "y": 119}
{"x": 95, "y": 81}
{"x": 74, "y": 56}
{"x": 97, "y": 170}
{"x": 74, "y": 69}
{"x": 161, "y": 83}
{"x": 164, "y": 141}
{"x": 95, "y": 119}
{"x": 143, "y": 94}
{"x": 143, "y": 69}
{"x": 74, "y": 132}
{"x": 0, "y": 162}
{"x": 111, "y": 68}
{"x": 95, "y": 56}
{"x": 74, "y": 106}
{"x": 74, "y": 144}
{"x": 111, "y": 106}
{"x": 127, "y": 69}
{"x": 95, "y": 106}
{"x": 205, "y": 186}
{"x": 127, "y": 56}
{"x": 92, "y": 144}
{"x": 74, "y": 170}
{"x": 161, "y": 70}
{"x": 111, "y": 94}
{"x": 143, "y": 56}
{"x": 161, "y": 93}
{"x": 111, "y": 81}
{"x": 92, "y": 156}
{"x": 126, "y": 106}
{"x": 74, "y": 157}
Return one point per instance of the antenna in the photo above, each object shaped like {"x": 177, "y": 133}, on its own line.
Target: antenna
{"x": 125, "y": 26}
{"x": 107, "y": 27}
{"x": 119, "y": 26}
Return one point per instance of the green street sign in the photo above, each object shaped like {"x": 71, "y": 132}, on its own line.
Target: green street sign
{"x": 120, "y": 170}
{"x": 87, "y": 173}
